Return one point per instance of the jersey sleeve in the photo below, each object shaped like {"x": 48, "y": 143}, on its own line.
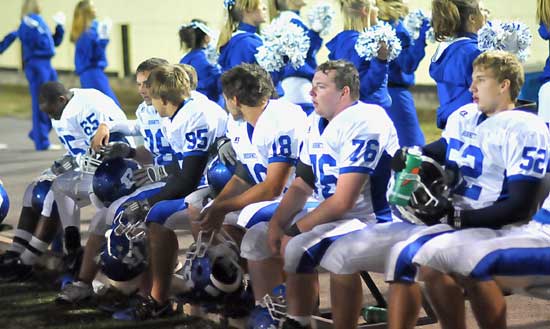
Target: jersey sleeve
{"x": 526, "y": 154}
{"x": 284, "y": 144}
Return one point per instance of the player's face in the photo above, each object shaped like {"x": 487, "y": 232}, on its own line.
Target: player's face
{"x": 233, "y": 108}
{"x": 486, "y": 90}
{"x": 324, "y": 94}
{"x": 53, "y": 109}
{"x": 159, "y": 105}
{"x": 143, "y": 90}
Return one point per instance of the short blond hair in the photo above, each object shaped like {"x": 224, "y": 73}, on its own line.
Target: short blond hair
{"x": 169, "y": 83}
{"x": 192, "y": 74}
{"x": 504, "y": 66}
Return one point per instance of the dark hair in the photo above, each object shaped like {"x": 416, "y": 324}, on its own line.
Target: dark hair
{"x": 346, "y": 75}
{"x": 250, "y": 83}
{"x": 450, "y": 17}
{"x": 191, "y": 36}
{"x": 51, "y": 90}
{"x": 150, "y": 64}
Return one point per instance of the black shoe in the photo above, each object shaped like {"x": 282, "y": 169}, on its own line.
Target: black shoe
{"x": 146, "y": 309}
{"x": 293, "y": 324}
{"x": 114, "y": 301}
{"x": 9, "y": 257}
{"x": 15, "y": 272}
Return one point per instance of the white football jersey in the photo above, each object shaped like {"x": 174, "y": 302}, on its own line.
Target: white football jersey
{"x": 150, "y": 126}
{"x": 276, "y": 137}
{"x": 493, "y": 151}
{"x": 81, "y": 117}
{"x": 352, "y": 142}
{"x": 194, "y": 127}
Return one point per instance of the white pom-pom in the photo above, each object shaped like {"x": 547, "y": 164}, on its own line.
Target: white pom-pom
{"x": 413, "y": 21}
{"x": 368, "y": 42}
{"x": 283, "y": 41}
{"x": 320, "y": 18}
{"x": 513, "y": 37}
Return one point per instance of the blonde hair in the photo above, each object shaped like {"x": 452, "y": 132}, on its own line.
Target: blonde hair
{"x": 352, "y": 14}
{"x": 543, "y": 12}
{"x": 191, "y": 74}
{"x": 504, "y": 66}
{"x": 451, "y": 17}
{"x": 392, "y": 10}
{"x": 84, "y": 14}
{"x": 169, "y": 83}
{"x": 30, "y": 7}
{"x": 234, "y": 16}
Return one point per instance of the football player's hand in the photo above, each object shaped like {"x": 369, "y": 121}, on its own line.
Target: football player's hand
{"x": 435, "y": 213}
{"x": 226, "y": 153}
{"x": 211, "y": 219}
{"x": 149, "y": 174}
{"x": 275, "y": 235}
{"x": 101, "y": 137}
{"x": 66, "y": 163}
{"x": 116, "y": 150}
{"x": 136, "y": 210}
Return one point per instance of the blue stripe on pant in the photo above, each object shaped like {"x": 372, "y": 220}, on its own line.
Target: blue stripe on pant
{"x": 264, "y": 214}
{"x": 38, "y": 71}
{"x": 97, "y": 79}
{"x": 513, "y": 261}
{"x": 313, "y": 255}
{"x": 405, "y": 269}
{"x": 162, "y": 210}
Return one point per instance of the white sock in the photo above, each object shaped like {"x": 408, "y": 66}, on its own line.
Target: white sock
{"x": 34, "y": 250}
{"x": 21, "y": 239}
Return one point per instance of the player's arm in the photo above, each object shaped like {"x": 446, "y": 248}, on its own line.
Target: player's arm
{"x": 348, "y": 189}
{"x": 238, "y": 184}
{"x": 272, "y": 186}
{"x": 103, "y": 132}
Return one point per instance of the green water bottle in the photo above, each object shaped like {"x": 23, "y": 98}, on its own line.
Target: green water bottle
{"x": 406, "y": 180}
{"x": 374, "y": 314}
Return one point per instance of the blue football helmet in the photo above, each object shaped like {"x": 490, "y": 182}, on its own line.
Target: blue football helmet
{"x": 4, "y": 202}
{"x": 270, "y": 316}
{"x": 211, "y": 271}
{"x": 124, "y": 256}
{"x": 218, "y": 175}
{"x": 113, "y": 179}
{"x": 39, "y": 192}
{"x": 91, "y": 160}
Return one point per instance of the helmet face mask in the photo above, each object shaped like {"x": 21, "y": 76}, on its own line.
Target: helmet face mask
{"x": 431, "y": 185}
{"x": 90, "y": 161}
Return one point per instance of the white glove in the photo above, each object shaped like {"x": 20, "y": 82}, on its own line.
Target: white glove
{"x": 149, "y": 175}
{"x": 226, "y": 153}
{"x": 104, "y": 28}
{"x": 59, "y": 18}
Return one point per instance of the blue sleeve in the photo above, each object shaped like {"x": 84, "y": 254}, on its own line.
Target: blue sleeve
{"x": 374, "y": 77}
{"x": 412, "y": 52}
{"x": 58, "y": 35}
{"x": 543, "y": 31}
{"x": 7, "y": 41}
{"x": 90, "y": 51}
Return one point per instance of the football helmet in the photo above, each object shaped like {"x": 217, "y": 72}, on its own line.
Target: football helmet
{"x": 124, "y": 255}
{"x": 4, "y": 202}
{"x": 270, "y": 316}
{"x": 431, "y": 194}
{"x": 218, "y": 174}
{"x": 113, "y": 179}
{"x": 40, "y": 190}
{"x": 91, "y": 160}
{"x": 211, "y": 271}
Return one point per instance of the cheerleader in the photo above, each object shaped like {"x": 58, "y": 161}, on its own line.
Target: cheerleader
{"x": 543, "y": 16}
{"x": 38, "y": 45}
{"x": 359, "y": 15}
{"x": 195, "y": 38}
{"x": 401, "y": 72}
{"x": 91, "y": 38}
{"x": 296, "y": 83}
{"x": 455, "y": 24}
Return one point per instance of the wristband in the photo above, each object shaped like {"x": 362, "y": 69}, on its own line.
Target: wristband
{"x": 293, "y": 230}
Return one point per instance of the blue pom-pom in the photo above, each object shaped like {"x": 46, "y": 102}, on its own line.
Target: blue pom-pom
{"x": 320, "y": 18}
{"x": 368, "y": 42}
{"x": 282, "y": 42}
{"x": 513, "y": 37}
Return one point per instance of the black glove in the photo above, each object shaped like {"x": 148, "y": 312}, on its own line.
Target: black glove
{"x": 135, "y": 211}
{"x": 117, "y": 150}
{"x": 435, "y": 212}
{"x": 399, "y": 158}
{"x": 66, "y": 163}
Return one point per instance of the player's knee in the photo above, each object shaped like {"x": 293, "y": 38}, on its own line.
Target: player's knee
{"x": 254, "y": 244}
